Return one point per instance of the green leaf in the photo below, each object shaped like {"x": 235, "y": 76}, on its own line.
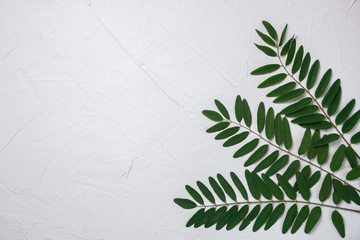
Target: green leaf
{"x": 257, "y": 155}
{"x": 326, "y": 187}
{"x": 266, "y": 38}
{"x": 313, "y": 219}
{"x": 334, "y": 103}
{"x": 313, "y": 179}
{"x": 276, "y": 214}
{"x": 354, "y": 173}
{"x": 265, "y": 69}
{"x": 286, "y": 47}
{"x": 290, "y": 218}
{"x": 303, "y": 186}
{"x": 323, "y": 125}
{"x": 261, "y": 186}
{"x": 204, "y": 218}
{"x": 278, "y": 130}
{"x": 329, "y": 96}
{"x": 301, "y": 218}
{"x": 298, "y": 60}
{"x": 351, "y": 122}
{"x": 266, "y": 162}
{"x": 273, "y": 187}
{"x": 278, "y": 165}
{"x": 227, "y": 133}
{"x": 273, "y": 80}
{"x": 324, "y": 82}
{"x": 225, "y": 219}
{"x": 296, "y": 106}
{"x": 304, "y": 111}
{"x": 252, "y": 185}
{"x": 195, "y": 217}
{"x": 345, "y": 112}
{"x": 281, "y": 90}
{"x": 339, "y": 188}
{"x": 268, "y": 51}
{"x": 289, "y": 96}
{"x": 338, "y": 222}
{"x": 291, "y": 170}
{"x": 313, "y": 73}
{"x": 326, "y": 139}
{"x": 338, "y": 158}
{"x": 222, "y": 109}
{"x": 352, "y": 193}
{"x": 322, "y": 154}
{"x": 269, "y": 126}
{"x": 219, "y": 214}
{"x": 261, "y": 117}
{"x": 246, "y": 112}
{"x": 312, "y": 118}
{"x": 285, "y": 185}
{"x": 336, "y": 198}
{"x": 283, "y": 34}
{"x": 305, "y": 67}
{"x": 217, "y": 189}
{"x": 287, "y": 134}
{"x": 218, "y": 127}
{"x": 249, "y": 147}
{"x": 185, "y": 203}
{"x": 251, "y": 216}
{"x": 291, "y": 52}
{"x": 238, "y": 138}
{"x": 270, "y": 29}
{"x": 227, "y": 187}
{"x": 355, "y": 138}
{"x": 206, "y": 192}
{"x": 312, "y": 151}
{"x": 194, "y": 194}
{"x": 351, "y": 156}
{"x": 238, "y": 108}
{"x": 212, "y": 115}
{"x": 305, "y": 142}
{"x": 237, "y": 217}
{"x": 263, "y": 217}
{"x": 239, "y": 185}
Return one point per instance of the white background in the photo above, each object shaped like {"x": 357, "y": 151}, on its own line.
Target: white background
{"x": 101, "y": 100}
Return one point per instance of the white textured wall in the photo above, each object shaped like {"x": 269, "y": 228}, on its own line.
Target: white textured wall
{"x": 100, "y": 108}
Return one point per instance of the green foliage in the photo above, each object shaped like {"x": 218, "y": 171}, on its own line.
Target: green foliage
{"x": 280, "y": 177}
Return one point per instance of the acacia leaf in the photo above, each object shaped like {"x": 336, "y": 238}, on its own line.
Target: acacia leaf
{"x": 270, "y": 29}
{"x": 313, "y": 219}
{"x": 246, "y": 113}
{"x": 301, "y": 218}
{"x": 195, "y": 217}
{"x": 249, "y": 147}
{"x": 305, "y": 67}
{"x": 268, "y": 51}
{"x": 227, "y": 216}
{"x": 285, "y": 185}
{"x": 282, "y": 89}
{"x": 238, "y": 138}
{"x": 185, "y": 203}
{"x": 227, "y": 187}
{"x": 283, "y": 34}
{"x": 263, "y": 217}
{"x": 273, "y": 80}
{"x": 266, "y": 38}
{"x": 278, "y": 130}
{"x": 298, "y": 60}
{"x": 313, "y": 73}
{"x": 305, "y": 142}
{"x": 345, "y": 112}
{"x": 355, "y": 138}
{"x": 324, "y": 82}
{"x": 334, "y": 103}
{"x": 252, "y": 185}
{"x": 329, "y": 96}
{"x": 227, "y": 133}
{"x": 194, "y": 194}
{"x": 303, "y": 111}
{"x": 290, "y": 218}
{"x": 287, "y": 134}
{"x": 338, "y": 158}
{"x": 278, "y": 165}
{"x": 217, "y": 189}
{"x": 312, "y": 151}
{"x": 216, "y": 216}
{"x": 341, "y": 190}
{"x": 351, "y": 156}
{"x": 238, "y": 108}
{"x": 257, "y": 155}
{"x": 313, "y": 179}
{"x": 338, "y": 222}
{"x": 353, "y": 174}
{"x": 239, "y": 185}
{"x": 275, "y": 215}
{"x": 261, "y": 117}
{"x": 303, "y": 186}
{"x": 269, "y": 126}
{"x": 251, "y": 216}
{"x": 266, "y": 162}
{"x": 296, "y": 106}
{"x": 273, "y": 187}
{"x": 351, "y": 122}
{"x": 326, "y": 139}
{"x": 212, "y": 115}
{"x": 311, "y": 118}
{"x": 289, "y": 96}
{"x": 265, "y": 69}
{"x": 237, "y": 217}
{"x": 218, "y": 127}
{"x": 326, "y": 187}
{"x": 262, "y": 186}
{"x": 322, "y": 154}
{"x": 291, "y": 52}
{"x": 206, "y": 192}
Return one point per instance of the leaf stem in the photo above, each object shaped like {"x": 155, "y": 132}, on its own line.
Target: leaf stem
{"x": 292, "y": 154}
{"x": 278, "y": 201}
{"x": 315, "y": 100}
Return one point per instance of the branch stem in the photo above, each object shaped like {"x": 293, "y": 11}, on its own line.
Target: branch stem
{"x": 278, "y": 201}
